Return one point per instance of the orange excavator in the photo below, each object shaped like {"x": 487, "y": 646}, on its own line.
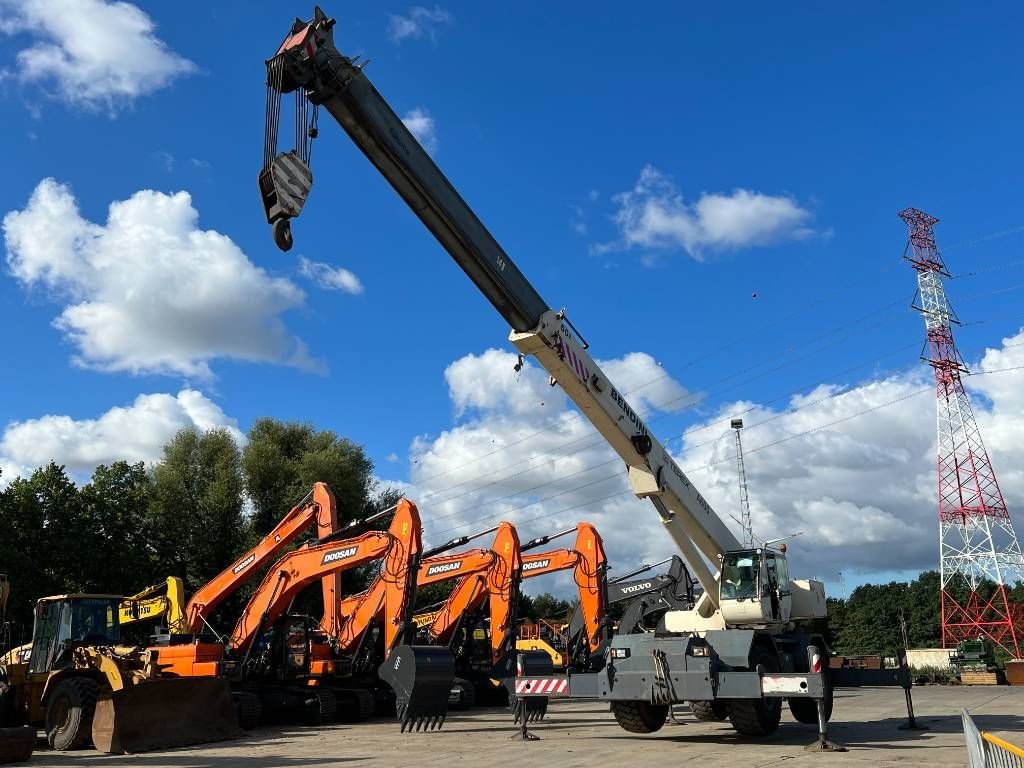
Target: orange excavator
{"x": 580, "y": 644}
{"x": 317, "y": 506}
{"x": 272, "y": 663}
{"x": 484, "y": 575}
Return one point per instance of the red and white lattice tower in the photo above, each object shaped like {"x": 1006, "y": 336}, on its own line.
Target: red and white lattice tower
{"x": 978, "y": 548}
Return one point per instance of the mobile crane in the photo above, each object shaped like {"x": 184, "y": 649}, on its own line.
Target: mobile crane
{"x": 742, "y": 642}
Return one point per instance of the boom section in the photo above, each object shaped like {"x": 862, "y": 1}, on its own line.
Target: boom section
{"x": 330, "y": 79}
{"x": 311, "y": 61}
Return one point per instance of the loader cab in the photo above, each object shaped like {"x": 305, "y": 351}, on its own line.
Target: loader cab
{"x": 754, "y": 587}
{"x": 72, "y": 619}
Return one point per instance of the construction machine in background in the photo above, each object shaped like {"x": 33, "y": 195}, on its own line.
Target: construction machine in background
{"x": 744, "y": 643}
{"x": 645, "y": 601}
{"x": 148, "y": 605}
{"x": 318, "y": 506}
{"x": 580, "y": 644}
{"x": 80, "y": 684}
{"x": 283, "y": 661}
{"x": 17, "y": 742}
{"x": 484, "y": 575}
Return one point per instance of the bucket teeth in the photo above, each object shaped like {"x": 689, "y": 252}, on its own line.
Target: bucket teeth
{"x": 529, "y": 708}
{"x": 421, "y": 677}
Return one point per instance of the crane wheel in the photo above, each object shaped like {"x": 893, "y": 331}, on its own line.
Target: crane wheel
{"x": 640, "y": 716}
{"x": 323, "y": 709}
{"x": 761, "y": 716}
{"x": 69, "y": 711}
{"x": 806, "y": 710}
{"x": 282, "y": 231}
{"x": 249, "y": 709}
{"x": 709, "y": 711}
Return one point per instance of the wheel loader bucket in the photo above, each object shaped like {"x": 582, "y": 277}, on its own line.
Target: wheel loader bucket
{"x": 421, "y": 677}
{"x": 164, "y": 713}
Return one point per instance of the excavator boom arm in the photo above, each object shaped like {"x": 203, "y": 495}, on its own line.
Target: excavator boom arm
{"x": 400, "y": 546}
{"x": 318, "y": 506}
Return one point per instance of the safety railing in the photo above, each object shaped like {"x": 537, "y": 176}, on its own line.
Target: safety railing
{"x": 987, "y": 751}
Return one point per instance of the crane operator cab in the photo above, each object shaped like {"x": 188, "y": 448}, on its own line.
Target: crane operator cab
{"x": 754, "y": 587}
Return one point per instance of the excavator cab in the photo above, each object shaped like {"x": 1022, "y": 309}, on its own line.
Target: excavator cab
{"x": 754, "y": 587}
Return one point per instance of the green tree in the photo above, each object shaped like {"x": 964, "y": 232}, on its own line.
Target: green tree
{"x": 282, "y": 460}
{"x": 196, "y": 512}
{"x": 40, "y": 538}
{"x": 115, "y": 543}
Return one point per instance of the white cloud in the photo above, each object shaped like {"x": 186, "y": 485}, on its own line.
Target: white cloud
{"x": 150, "y": 292}
{"x": 417, "y": 23}
{"x": 330, "y": 278}
{"x": 853, "y": 469}
{"x": 136, "y": 432}
{"x": 95, "y": 53}
{"x": 654, "y": 216}
{"x": 422, "y": 126}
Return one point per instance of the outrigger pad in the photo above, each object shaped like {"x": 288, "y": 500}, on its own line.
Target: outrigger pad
{"x": 528, "y": 709}
{"x": 160, "y": 714}
{"x": 421, "y": 677}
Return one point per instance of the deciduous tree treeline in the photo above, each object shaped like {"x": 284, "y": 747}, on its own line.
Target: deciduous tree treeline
{"x": 189, "y": 515}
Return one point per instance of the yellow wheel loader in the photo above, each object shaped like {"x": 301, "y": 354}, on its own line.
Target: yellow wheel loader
{"x": 81, "y": 686}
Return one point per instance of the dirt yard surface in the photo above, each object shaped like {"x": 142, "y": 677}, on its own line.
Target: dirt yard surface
{"x": 585, "y": 734}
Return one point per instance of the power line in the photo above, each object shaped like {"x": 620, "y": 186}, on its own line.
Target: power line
{"x": 690, "y": 470}
{"x": 556, "y": 451}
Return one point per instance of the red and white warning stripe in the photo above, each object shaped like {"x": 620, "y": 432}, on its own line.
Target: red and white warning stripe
{"x": 542, "y": 686}
{"x": 816, "y": 663}
{"x": 565, "y": 352}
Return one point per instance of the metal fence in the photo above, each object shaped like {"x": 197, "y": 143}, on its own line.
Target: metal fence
{"x": 987, "y": 751}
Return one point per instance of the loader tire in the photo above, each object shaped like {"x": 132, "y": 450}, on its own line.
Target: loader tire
{"x": 713, "y": 711}
{"x": 69, "y": 711}
{"x": 249, "y": 709}
{"x": 640, "y": 716}
{"x": 323, "y": 709}
{"x": 761, "y": 716}
{"x": 467, "y": 694}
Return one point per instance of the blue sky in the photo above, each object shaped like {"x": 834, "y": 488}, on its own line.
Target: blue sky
{"x": 545, "y": 117}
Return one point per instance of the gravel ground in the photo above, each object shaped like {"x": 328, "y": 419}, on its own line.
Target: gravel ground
{"x": 585, "y": 734}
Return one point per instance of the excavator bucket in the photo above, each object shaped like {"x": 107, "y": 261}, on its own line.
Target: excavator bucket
{"x": 164, "y": 713}
{"x": 421, "y": 677}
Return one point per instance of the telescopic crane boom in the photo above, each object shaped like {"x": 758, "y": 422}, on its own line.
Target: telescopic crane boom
{"x": 307, "y": 62}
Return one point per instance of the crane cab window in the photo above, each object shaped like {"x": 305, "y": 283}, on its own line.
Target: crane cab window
{"x": 739, "y": 576}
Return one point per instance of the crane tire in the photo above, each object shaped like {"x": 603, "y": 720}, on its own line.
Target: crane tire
{"x": 806, "y": 710}
{"x": 69, "y": 711}
{"x": 640, "y": 716}
{"x": 760, "y": 716}
{"x": 714, "y": 711}
{"x": 249, "y": 709}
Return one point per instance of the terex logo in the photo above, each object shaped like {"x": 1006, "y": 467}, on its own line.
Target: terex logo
{"x": 636, "y": 588}
{"x": 339, "y": 554}
{"x": 444, "y": 568}
{"x": 534, "y": 565}
{"x": 244, "y": 564}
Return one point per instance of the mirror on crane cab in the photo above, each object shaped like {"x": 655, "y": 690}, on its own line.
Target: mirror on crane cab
{"x": 754, "y": 587}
